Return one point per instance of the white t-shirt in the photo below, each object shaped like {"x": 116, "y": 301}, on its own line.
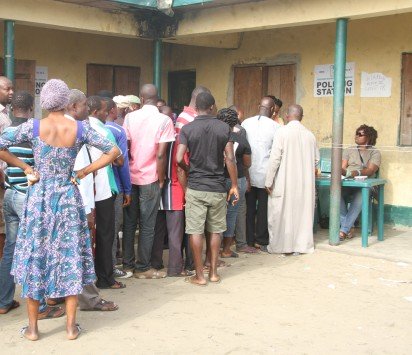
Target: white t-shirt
{"x": 86, "y": 187}
{"x": 101, "y": 179}
{"x": 260, "y": 131}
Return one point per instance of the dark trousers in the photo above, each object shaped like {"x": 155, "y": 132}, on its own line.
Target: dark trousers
{"x": 144, "y": 207}
{"x": 257, "y": 216}
{"x": 104, "y": 242}
{"x": 170, "y": 224}
{"x": 187, "y": 251}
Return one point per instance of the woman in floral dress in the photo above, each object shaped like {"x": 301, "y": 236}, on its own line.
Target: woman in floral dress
{"x": 53, "y": 256}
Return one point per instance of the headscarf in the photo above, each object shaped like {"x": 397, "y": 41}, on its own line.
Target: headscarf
{"x": 54, "y": 95}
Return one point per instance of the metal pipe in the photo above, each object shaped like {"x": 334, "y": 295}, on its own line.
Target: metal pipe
{"x": 9, "y": 49}
{"x": 337, "y": 129}
{"x": 157, "y": 65}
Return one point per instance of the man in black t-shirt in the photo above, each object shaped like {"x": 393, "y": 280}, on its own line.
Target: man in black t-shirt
{"x": 209, "y": 146}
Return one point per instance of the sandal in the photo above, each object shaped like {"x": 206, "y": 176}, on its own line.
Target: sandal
{"x": 116, "y": 286}
{"x": 248, "y": 250}
{"x": 14, "y": 304}
{"x": 103, "y": 306}
{"x": 342, "y": 236}
{"x": 184, "y": 273}
{"x": 51, "y": 312}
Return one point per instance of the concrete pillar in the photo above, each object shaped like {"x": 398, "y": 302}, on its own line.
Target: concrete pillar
{"x": 337, "y": 130}
{"x": 9, "y": 49}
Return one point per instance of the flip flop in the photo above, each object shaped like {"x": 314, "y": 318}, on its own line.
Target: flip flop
{"x": 232, "y": 255}
{"x": 23, "y": 333}
{"x": 51, "y": 312}
{"x": 14, "y": 305}
{"x": 218, "y": 281}
{"x": 190, "y": 279}
{"x": 79, "y": 330}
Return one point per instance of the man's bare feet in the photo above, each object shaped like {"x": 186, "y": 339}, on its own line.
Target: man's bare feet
{"x": 73, "y": 332}
{"x": 220, "y": 263}
{"x": 30, "y": 334}
{"x": 215, "y": 278}
{"x": 195, "y": 281}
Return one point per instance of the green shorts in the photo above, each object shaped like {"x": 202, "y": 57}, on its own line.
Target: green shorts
{"x": 205, "y": 208}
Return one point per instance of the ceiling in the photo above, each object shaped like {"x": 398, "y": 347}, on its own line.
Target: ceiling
{"x": 132, "y": 5}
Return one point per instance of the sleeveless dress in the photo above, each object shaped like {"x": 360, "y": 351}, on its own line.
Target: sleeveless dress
{"x": 53, "y": 255}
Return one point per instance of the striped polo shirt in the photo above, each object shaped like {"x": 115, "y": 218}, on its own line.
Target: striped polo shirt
{"x": 14, "y": 177}
{"x": 173, "y": 197}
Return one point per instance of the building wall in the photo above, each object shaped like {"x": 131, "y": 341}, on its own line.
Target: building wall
{"x": 375, "y": 45}
{"x": 67, "y": 53}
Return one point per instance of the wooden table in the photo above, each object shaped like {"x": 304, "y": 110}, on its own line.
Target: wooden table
{"x": 366, "y": 186}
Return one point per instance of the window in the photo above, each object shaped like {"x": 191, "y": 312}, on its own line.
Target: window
{"x": 120, "y": 80}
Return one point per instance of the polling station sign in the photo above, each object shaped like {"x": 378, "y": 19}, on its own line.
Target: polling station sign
{"x": 323, "y": 81}
{"x": 40, "y": 80}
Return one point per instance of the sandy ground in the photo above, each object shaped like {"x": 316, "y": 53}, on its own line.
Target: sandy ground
{"x": 322, "y": 303}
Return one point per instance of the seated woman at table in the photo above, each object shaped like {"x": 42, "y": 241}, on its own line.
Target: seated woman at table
{"x": 363, "y": 159}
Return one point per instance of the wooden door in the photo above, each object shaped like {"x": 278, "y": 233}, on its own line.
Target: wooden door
{"x": 249, "y": 86}
{"x": 99, "y": 77}
{"x": 24, "y": 75}
{"x": 405, "y": 136}
{"x": 126, "y": 80}
{"x": 181, "y": 85}
{"x": 282, "y": 84}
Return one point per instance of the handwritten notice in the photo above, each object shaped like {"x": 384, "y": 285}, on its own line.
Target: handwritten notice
{"x": 375, "y": 85}
{"x": 324, "y": 83}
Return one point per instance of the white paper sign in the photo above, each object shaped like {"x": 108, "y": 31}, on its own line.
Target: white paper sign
{"x": 375, "y": 85}
{"x": 40, "y": 80}
{"x": 323, "y": 83}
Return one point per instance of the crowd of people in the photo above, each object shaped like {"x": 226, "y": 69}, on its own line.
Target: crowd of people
{"x": 100, "y": 173}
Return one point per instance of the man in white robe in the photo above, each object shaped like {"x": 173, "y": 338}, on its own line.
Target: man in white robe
{"x": 290, "y": 183}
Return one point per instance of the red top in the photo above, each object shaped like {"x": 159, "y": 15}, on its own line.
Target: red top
{"x": 173, "y": 197}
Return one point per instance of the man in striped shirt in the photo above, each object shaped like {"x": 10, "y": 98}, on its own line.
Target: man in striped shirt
{"x": 6, "y": 94}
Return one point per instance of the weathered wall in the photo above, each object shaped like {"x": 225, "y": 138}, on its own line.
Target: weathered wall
{"x": 375, "y": 45}
{"x": 67, "y": 53}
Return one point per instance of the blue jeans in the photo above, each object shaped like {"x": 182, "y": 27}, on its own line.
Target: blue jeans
{"x": 232, "y": 211}
{"x": 348, "y": 217}
{"x": 12, "y": 209}
{"x": 144, "y": 207}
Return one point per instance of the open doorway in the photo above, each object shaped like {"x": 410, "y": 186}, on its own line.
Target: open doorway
{"x": 181, "y": 85}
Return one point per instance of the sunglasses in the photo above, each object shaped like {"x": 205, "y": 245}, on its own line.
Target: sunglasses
{"x": 360, "y": 134}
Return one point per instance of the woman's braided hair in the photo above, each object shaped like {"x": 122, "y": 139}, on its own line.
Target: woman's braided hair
{"x": 228, "y": 116}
